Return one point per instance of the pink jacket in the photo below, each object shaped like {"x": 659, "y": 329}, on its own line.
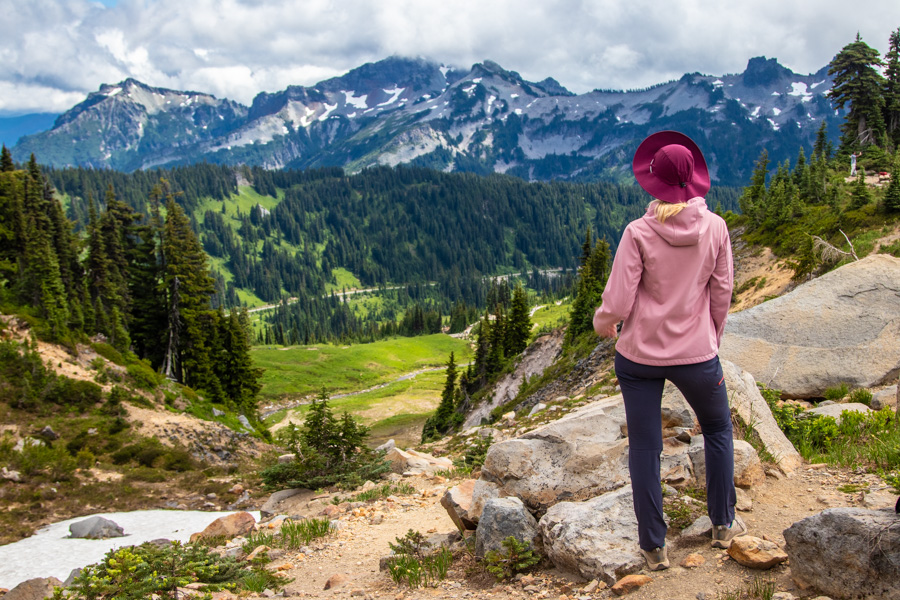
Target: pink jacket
{"x": 672, "y": 285}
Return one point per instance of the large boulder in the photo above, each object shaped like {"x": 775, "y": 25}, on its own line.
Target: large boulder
{"x": 754, "y": 411}
{"x": 33, "y": 589}
{"x": 748, "y": 470}
{"x": 598, "y": 539}
{"x": 577, "y": 457}
{"x": 457, "y": 501}
{"x": 95, "y": 528}
{"x": 843, "y": 327}
{"x": 502, "y": 518}
{"x": 847, "y": 553}
{"x": 836, "y": 410}
{"x": 230, "y": 526}
{"x": 412, "y": 462}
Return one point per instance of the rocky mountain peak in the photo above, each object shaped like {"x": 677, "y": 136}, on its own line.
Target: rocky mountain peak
{"x": 761, "y": 71}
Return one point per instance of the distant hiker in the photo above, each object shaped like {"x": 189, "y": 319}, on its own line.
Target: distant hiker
{"x": 853, "y": 164}
{"x": 671, "y": 283}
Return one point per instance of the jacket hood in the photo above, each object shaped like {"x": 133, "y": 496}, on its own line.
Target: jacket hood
{"x": 685, "y": 228}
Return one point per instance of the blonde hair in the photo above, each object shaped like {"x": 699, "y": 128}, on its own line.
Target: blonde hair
{"x": 664, "y": 210}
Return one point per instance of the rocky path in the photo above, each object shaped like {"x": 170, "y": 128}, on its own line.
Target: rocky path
{"x": 350, "y": 558}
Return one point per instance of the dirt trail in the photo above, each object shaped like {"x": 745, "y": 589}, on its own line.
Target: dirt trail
{"x": 354, "y": 552}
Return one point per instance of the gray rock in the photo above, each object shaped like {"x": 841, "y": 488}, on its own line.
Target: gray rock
{"x": 285, "y": 459}
{"x": 744, "y": 502}
{"x": 285, "y": 501}
{"x": 748, "y": 469}
{"x": 483, "y": 491}
{"x": 885, "y": 397}
{"x": 537, "y": 408}
{"x": 48, "y": 434}
{"x": 843, "y": 327}
{"x": 502, "y": 518}
{"x": 386, "y": 447}
{"x": 33, "y": 589}
{"x": 95, "y": 528}
{"x": 457, "y": 501}
{"x": 598, "y": 539}
{"x": 847, "y": 552}
{"x": 13, "y": 476}
{"x": 245, "y": 422}
{"x": 835, "y": 410}
{"x": 218, "y": 413}
{"x": 701, "y": 528}
{"x": 753, "y": 409}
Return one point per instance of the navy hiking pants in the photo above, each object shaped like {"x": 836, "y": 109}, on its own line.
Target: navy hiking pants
{"x": 703, "y": 386}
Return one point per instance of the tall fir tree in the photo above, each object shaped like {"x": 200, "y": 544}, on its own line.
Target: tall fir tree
{"x": 518, "y": 325}
{"x": 443, "y": 418}
{"x": 859, "y": 83}
{"x": 892, "y": 89}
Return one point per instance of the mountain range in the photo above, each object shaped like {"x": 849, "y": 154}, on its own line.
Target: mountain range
{"x": 413, "y": 111}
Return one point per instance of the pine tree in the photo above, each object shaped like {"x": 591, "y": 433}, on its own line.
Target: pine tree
{"x": 518, "y": 325}
{"x": 6, "y": 161}
{"x": 442, "y": 419}
{"x": 858, "y": 82}
{"x": 892, "y": 89}
{"x": 753, "y": 201}
{"x": 892, "y": 194}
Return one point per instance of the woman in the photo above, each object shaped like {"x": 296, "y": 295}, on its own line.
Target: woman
{"x": 671, "y": 283}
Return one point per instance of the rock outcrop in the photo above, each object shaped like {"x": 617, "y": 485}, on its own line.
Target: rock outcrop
{"x": 596, "y": 539}
{"x": 843, "y": 327}
{"x": 535, "y": 359}
{"x": 502, "y": 518}
{"x": 33, "y": 589}
{"x": 229, "y": 526}
{"x": 847, "y": 553}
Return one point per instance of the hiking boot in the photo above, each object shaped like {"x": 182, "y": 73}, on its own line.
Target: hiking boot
{"x": 723, "y": 534}
{"x": 657, "y": 559}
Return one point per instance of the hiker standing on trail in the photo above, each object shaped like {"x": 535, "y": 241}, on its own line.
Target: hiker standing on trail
{"x": 853, "y": 164}
{"x": 671, "y": 283}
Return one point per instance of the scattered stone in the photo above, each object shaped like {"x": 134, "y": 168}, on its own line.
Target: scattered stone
{"x": 835, "y": 410}
{"x": 537, "y": 408}
{"x": 335, "y": 581}
{"x": 502, "y": 518}
{"x": 218, "y": 413}
{"x": 386, "y": 447}
{"x": 412, "y": 462}
{"x": 13, "y": 476}
{"x": 285, "y": 502}
{"x": 630, "y": 583}
{"x": 457, "y": 501}
{"x": 597, "y": 539}
{"x": 834, "y": 553}
{"x": 95, "y": 528}
{"x": 285, "y": 459}
{"x": 245, "y": 422}
{"x": 700, "y": 528}
{"x": 237, "y": 489}
{"x": 782, "y": 596}
{"x": 886, "y": 397}
{"x": 48, "y": 434}
{"x": 692, "y": 561}
{"x": 756, "y": 553}
{"x": 230, "y": 526}
{"x": 256, "y": 552}
{"x": 33, "y": 589}
{"x": 744, "y": 502}
{"x": 844, "y": 328}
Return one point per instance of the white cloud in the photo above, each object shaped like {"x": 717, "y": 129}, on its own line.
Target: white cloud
{"x": 237, "y": 48}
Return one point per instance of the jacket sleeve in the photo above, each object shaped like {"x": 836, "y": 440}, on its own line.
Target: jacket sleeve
{"x": 721, "y": 284}
{"x": 621, "y": 287}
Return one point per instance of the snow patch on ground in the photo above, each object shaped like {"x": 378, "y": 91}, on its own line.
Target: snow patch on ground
{"x": 774, "y": 125}
{"x": 354, "y": 100}
{"x": 328, "y": 110}
{"x": 394, "y": 93}
{"x": 51, "y": 553}
{"x": 799, "y": 89}
{"x": 776, "y": 111}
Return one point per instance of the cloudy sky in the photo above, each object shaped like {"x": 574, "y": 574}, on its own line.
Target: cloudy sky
{"x": 54, "y": 52}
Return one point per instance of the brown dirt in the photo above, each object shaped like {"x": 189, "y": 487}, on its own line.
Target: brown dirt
{"x": 354, "y": 552}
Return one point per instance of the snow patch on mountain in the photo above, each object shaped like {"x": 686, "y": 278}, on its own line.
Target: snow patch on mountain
{"x": 356, "y": 101}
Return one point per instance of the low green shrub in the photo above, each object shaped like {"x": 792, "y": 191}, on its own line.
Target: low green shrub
{"x": 109, "y": 353}
{"x": 414, "y": 564}
{"x": 143, "y": 375}
{"x": 295, "y": 534}
{"x": 516, "y": 556}
{"x": 862, "y": 396}
{"x": 140, "y": 572}
{"x": 837, "y": 392}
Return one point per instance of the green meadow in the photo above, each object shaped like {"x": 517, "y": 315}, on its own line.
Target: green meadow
{"x": 298, "y": 371}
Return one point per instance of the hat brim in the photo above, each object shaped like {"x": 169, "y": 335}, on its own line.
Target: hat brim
{"x": 659, "y": 189}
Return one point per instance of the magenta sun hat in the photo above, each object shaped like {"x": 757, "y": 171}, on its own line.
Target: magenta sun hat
{"x": 670, "y": 167}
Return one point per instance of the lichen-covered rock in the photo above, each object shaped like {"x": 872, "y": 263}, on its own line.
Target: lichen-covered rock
{"x": 95, "y": 528}
{"x": 502, "y": 518}
{"x": 597, "y": 538}
{"x": 847, "y": 553}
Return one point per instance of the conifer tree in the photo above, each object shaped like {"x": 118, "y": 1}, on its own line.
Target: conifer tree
{"x": 892, "y": 89}
{"x": 442, "y": 419}
{"x": 861, "y": 194}
{"x": 518, "y": 325}
{"x": 858, "y": 82}
{"x": 753, "y": 200}
{"x": 892, "y": 194}
{"x": 6, "y": 161}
